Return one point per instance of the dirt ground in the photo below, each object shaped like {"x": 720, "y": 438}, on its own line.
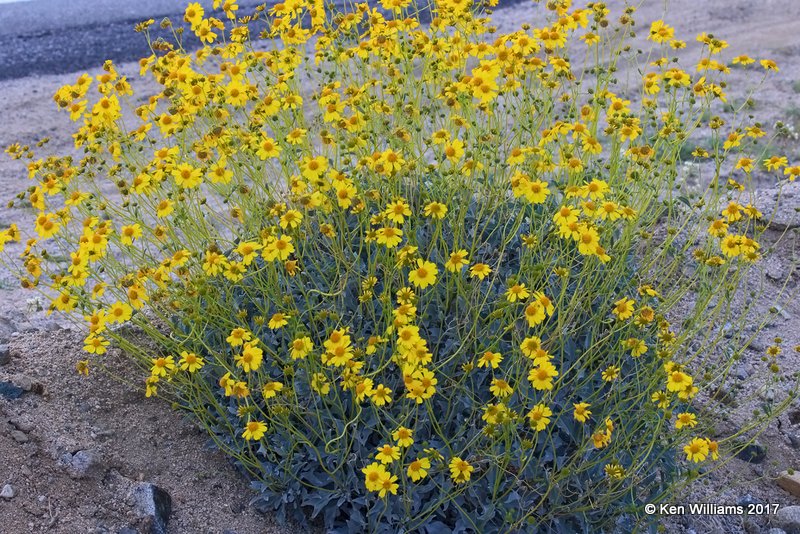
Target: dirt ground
{"x": 132, "y": 439}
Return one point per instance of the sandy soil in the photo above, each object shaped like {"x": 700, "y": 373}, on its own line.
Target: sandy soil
{"x": 142, "y": 439}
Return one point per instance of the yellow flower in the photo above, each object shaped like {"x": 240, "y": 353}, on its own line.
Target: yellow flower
{"x": 418, "y": 469}
{"x": 436, "y": 210}
{"x": 403, "y": 436}
{"x": 373, "y": 476}
{"x": 424, "y": 275}
{"x": 277, "y": 321}
{"x": 254, "y": 430}
{"x": 539, "y": 417}
{"x": 238, "y": 336}
{"x": 517, "y": 292}
{"x": 500, "y": 388}
{"x": 387, "y": 454}
{"x": 381, "y": 395}
{"x": 686, "y": 419}
{"x": 457, "y": 261}
{"x": 460, "y": 470}
{"x": 660, "y": 32}
{"x": 190, "y": 361}
{"x": 480, "y": 271}
{"x": 541, "y": 377}
{"x": 162, "y": 366}
{"x": 95, "y": 344}
{"x": 271, "y": 389}
{"x": 250, "y": 358}
{"x": 623, "y": 308}
{"x": 301, "y": 346}
{"x": 389, "y": 236}
{"x": 678, "y": 381}
{"x": 490, "y": 359}
{"x": 187, "y": 176}
{"x": 582, "y": 412}
{"x": 696, "y": 450}
{"x": 397, "y": 211}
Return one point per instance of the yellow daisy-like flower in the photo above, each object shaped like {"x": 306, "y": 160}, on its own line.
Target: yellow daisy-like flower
{"x": 457, "y": 261}
{"x": 539, "y": 417}
{"x": 460, "y": 470}
{"x": 418, "y": 469}
{"x": 254, "y": 430}
{"x": 517, "y": 292}
{"x": 581, "y": 412}
{"x": 623, "y": 308}
{"x": 686, "y": 419}
{"x": 387, "y": 454}
{"x": 190, "y": 361}
{"x": 424, "y": 275}
{"x": 490, "y": 359}
{"x": 696, "y": 450}
{"x": 480, "y": 271}
{"x": 403, "y": 436}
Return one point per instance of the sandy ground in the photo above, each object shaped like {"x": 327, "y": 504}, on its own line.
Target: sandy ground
{"x": 137, "y": 439}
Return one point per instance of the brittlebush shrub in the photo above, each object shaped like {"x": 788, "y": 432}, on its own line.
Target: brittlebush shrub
{"x": 415, "y": 275}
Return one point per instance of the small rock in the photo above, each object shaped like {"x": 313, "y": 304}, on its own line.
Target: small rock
{"x": 775, "y": 530}
{"x": 755, "y": 453}
{"x": 788, "y": 518}
{"x": 19, "y": 437}
{"x": 744, "y": 371}
{"x": 8, "y": 492}
{"x": 794, "y": 440}
{"x": 10, "y": 391}
{"x": 775, "y": 271}
{"x": 790, "y": 483}
{"x": 724, "y": 395}
{"x": 83, "y": 464}
{"x": 26, "y": 471}
{"x": 24, "y": 382}
{"x": 22, "y": 426}
{"x": 5, "y": 355}
{"x": 152, "y": 503}
{"x": 757, "y": 346}
{"x": 747, "y": 500}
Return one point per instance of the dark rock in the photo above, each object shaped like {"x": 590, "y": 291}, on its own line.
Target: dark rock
{"x": 5, "y": 354}
{"x": 794, "y": 417}
{"x": 747, "y": 500}
{"x": 755, "y": 453}
{"x": 153, "y": 504}
{"x": 794, "y": 441}
{"x": 10, "y": 391}
{"x": 724, "y": 395}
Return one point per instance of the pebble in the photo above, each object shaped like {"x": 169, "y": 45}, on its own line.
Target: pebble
{"x": 8, "y": 492}
{"x": 744, "y": 371}
{"x": 18, "y": 436}
{"x": 788, "y": 518}
{"x": 82, "y": 464}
